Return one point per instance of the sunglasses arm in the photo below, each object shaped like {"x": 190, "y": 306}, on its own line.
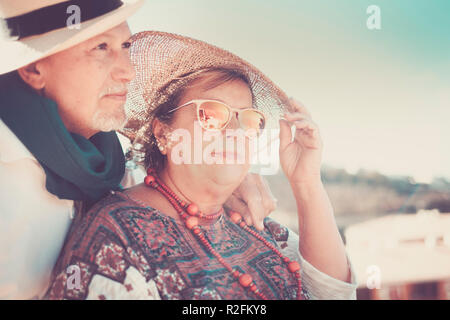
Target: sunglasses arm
{"x": 179, "y": 107}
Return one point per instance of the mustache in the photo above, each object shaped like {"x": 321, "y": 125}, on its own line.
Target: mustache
{"x": 114, "y": 89}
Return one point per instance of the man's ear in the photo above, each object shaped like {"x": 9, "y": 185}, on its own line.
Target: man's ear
{"x": 32, "y": 76}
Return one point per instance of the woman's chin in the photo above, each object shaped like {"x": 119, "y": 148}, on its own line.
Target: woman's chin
{"x": 224, "y": 174}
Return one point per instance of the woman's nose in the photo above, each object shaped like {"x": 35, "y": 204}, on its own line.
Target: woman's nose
{"x": 234, "y": 122}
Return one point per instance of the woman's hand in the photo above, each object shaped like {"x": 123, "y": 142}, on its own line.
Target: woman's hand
{"x": 253, "y": 200}
{"x": 320, "y": 242}
{"x": 301, "y": 157}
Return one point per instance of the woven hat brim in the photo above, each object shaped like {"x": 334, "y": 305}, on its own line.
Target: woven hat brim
{"x": 161, "y": 57}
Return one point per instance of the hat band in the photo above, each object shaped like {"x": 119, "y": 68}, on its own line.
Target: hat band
{"x": 56, "y": 17}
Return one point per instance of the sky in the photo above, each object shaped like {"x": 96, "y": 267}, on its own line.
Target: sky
{"x": 381, "y": 97}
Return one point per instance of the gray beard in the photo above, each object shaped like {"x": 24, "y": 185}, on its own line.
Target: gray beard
{"x": 109, "y": 121}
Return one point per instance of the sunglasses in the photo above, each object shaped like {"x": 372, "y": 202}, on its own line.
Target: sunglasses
{"x": 216, "y": 115}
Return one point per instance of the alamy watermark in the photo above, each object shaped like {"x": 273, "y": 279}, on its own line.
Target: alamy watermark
{"x": 374, "y": 277}
{"x": 374, "y": 20}
{"x": 74, "y": 20}
{"x": 230, "y": 146}
{"x": 74, "y": 277}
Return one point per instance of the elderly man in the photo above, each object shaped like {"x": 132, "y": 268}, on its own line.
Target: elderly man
{"x": 62, "y": 95}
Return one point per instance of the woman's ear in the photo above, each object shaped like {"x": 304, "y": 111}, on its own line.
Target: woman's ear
{"x": 160, "y": 131}
{"x": 32, "y": 76}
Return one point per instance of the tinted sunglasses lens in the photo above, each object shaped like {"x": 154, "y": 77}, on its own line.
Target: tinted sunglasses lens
{"x": 213, "y": 115}
{"x": 252, "y": 119}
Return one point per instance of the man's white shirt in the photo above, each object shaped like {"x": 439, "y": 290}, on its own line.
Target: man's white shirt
{"x": 33, "y": 222}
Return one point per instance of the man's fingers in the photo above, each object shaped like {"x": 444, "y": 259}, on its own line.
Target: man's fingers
{"x": 253, "y": 200}
{"x": 257, "y": 210}
{"x": 269, "y": 201}
{"x": 236, "y": 204}
{"x": 250, "y": 192}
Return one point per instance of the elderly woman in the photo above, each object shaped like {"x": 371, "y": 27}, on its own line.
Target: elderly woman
{"x": 171, "y": 237}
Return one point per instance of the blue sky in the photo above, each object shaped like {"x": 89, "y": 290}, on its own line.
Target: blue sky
{"x": 380, "y": 97}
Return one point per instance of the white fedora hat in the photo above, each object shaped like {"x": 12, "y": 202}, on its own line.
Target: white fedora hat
{"x": 33, "y": 29}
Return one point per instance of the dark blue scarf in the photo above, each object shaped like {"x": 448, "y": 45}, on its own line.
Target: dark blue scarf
{"x": 76, "y": 168}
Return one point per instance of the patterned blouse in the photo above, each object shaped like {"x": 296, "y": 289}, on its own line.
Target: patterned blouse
{"x": 124, "y": 250}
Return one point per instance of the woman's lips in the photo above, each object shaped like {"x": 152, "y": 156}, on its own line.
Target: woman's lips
{"x": 226, "y": 155}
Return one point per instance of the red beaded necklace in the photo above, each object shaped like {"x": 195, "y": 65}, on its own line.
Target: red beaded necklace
{"x": 190, "y": 214}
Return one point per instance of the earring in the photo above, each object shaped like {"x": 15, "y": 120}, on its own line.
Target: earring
{"x": 169, "y": 140}
{"x": 160, "y": 147}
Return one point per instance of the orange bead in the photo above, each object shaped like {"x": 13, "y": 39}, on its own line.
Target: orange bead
{"x": 235, "y": 217}
{"x": 148, "y": 180}
{"x": 150, "y": 170}
{"x": 191, "y": 222}
{"x": 192, "y": 209}
{"x": 245, "y": 280}
{"x": 293, "y": 266}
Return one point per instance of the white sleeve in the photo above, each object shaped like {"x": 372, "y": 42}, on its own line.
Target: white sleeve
{"x": 134, "y": 287}
{"x": 319, "y": 285}
{"x": 33, "y": 225}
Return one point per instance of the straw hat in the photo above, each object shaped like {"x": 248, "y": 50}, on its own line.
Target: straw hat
{"x": 33, "y": 29}
{"x": 166, "y": 62}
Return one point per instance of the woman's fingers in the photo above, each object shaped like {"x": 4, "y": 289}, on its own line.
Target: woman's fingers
{"x": 300, "y": 118}
{"x": 285, "y": 134}
{"x": 300, "y": 121}
{"x": 296, "y": 116}
{"x": 305, "y": 124}
{"x": 305, "y": 127}
{"x": 299, "y": 107}
{"x": 307, "y": 133}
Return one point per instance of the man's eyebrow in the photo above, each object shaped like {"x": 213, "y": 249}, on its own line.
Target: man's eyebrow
{"x": 101, "y": 37}
{"x": 129, "y": 39}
